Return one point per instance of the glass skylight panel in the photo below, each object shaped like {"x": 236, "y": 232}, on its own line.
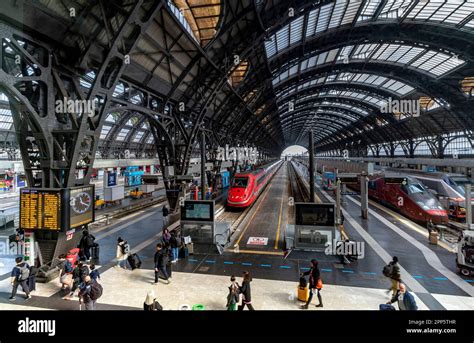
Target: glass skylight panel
{"x": 395, "y": 8}
{"x": 345, "y": 52}
{"x": 296, "y": 30}
{"x": 324, "y": 17}
{"x": 364, "y": 51}
{"x": 332, "y": 55}
{"x": 149, "y": 140}
{"x": 105, "y": 131}
{"x": 119, "y": 90}
{"x": 337, "y": 13}
{"x": 429, "y": 9}
{"x": 369, "y": 9}
{"x": 461, "y": 13}
{"x": 138, "y": 136}
{"x": 470, "y": 23}
{"x": 3, "y": 97}
{"x": 322, "y": 58}
{"x": 449, "y": 64}
{"x": 129, "y": 122}
{"x": 331, "y": 78}
{"x": 110, "y": 118}
{"x": 435, "y": 60}
{"x": 312, "y": 20}
{"x": 122, "y": 134}
{"x": 345, "y": 76}
{"x": 351, "y": 12}
{"x": 293, "y": 70}
{"x": 270, "y": 47}
{"x": 282, "y": 38}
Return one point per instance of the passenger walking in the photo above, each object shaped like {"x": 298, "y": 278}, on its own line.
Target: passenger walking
{"x": 174, "y": 245}
{"x": 94, "y": 274}
{"x": 315, "y": 283}
{"x": 19, "y": 277}
{"x": 233, "y": 296}
{"x": 406, "y": 300}
{"x": 85, "y": 244}
{"x": 165, "y": 239}
{"x": 246, "y": 293}
{"x": 160, "y": 263}
{"x": 392, "y": 271}
{"x": 166, "y": 213}
{"x": 65, "y": 274}
{"x": 90, "y": 291}
{"x": 78, "y": 274}
{"x": 151, "y": 304}
{"x": 123, "y": 250}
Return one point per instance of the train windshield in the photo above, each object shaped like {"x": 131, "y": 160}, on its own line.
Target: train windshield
{"x": 458, "y": 182}
{"x": 240, "y": 182}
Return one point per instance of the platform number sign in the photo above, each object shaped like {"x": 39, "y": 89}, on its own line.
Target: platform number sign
{"x": 400, "y": 201}
{"x": 345, "y": 153}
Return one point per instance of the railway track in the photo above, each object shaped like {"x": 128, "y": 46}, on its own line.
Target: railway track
{"x": 298, "y": 190}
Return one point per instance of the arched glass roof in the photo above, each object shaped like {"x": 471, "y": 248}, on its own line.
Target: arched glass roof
{"x": 346, "y": 12}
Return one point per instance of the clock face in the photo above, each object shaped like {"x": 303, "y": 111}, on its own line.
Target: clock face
{"x": 81, "y": 202}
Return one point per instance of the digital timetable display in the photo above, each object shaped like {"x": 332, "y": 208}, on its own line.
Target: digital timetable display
{"x": 40, "y": 209}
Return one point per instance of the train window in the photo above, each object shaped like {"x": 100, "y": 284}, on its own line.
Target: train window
{"x": 373, "y": 185}
{"x": 240, "y": 182}
{"x": 413, "y": 188}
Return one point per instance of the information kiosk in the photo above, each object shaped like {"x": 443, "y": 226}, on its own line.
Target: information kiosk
{"x": 315, "y": 227}
{"x": 197, "y": 222}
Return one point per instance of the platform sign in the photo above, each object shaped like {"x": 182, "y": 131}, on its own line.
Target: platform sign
{"x": 397, "y": 180}
{"x": 315, "y": 214}
{"x": 262, "y": 241}
{"x": 111, "y": 179}
{"x": 81, "y": 206}
{"x": 150, "y": 179}
{"x": 40, "y": 209}
{"x": 198, "y": 210}
{"x": 348, "y": 180}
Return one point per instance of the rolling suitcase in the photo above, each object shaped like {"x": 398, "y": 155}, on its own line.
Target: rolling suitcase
{"x": 95, "y": 253}
{"x": 134, "y": 261}
{"x": 386, "y": 307}
{"x": 183, "y": 252}
{"x": 190, "y": 247}
{"x": 303, "y": 293}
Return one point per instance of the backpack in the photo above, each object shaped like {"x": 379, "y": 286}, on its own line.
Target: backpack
{"x": 68, "y": 267}
{"x": 96, "y": 291}
{"x": 24, "y": 272}
{"x": 89, "y": 241}
{"x": 388, "y": 270}
{"x": 125, "y": 248}
{"x": 303, "y": 282}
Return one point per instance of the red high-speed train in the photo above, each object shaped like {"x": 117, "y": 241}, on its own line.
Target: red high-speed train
{"x": 411, "y": 198}
{"x": 247, "y": 186}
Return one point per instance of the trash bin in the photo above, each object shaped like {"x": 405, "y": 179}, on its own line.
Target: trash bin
{"x": 198, "y": 307}
{"x": 433, "y": 239}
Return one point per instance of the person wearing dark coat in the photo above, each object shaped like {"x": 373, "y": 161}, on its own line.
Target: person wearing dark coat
{"x": 160, "y": 260}
{"x": 314, "y": 277}
{"x": 85, "y": 244}
{"x": 174, "y": 245}
{"x": 246, "y": 293}
{"x": 151, "y": 304}
{"x": 406, "y": 300}
{"x": 165, "y": 213}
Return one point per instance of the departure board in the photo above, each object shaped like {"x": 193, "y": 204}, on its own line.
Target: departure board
{"x": 40, "y": 209}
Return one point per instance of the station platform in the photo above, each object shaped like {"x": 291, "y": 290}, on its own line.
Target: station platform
{"x": 428, "y": 271}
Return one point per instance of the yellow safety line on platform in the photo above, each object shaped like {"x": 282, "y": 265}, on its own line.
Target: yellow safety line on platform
{"x": 258, "y": 252}
{"x": 256, "y": 211}
{"x": 279, "y": 219}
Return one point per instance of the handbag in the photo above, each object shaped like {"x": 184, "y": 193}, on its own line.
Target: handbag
{"x": 319, "y": 284}
{"x": 66, "y": 280}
